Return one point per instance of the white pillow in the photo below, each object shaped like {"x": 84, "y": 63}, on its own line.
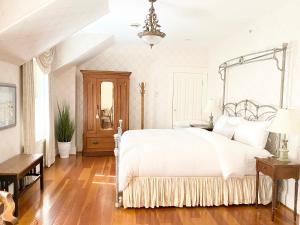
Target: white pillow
{"x": 253, "y": 133}
{"x": 227, "y": 125}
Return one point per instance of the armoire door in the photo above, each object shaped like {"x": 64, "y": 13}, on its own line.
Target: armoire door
{"x": 90, "y": 102}
{"x": 122, "y": 99}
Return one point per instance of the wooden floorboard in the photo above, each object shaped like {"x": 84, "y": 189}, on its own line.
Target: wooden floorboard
{"x": 80, "y": 191}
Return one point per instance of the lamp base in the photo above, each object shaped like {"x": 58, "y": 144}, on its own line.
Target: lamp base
{"x": 284, "y": 155}
{"x": 284, "y": 152}
{"x": 211, "y": 122}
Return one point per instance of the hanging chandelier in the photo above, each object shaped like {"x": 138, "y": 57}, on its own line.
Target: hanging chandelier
{"x": 151, "y": 33}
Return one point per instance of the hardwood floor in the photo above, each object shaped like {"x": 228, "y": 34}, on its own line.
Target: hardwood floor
{"x": 80, "y": 190}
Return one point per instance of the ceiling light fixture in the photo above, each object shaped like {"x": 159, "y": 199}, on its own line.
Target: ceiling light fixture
{"x": 151, "y": 33}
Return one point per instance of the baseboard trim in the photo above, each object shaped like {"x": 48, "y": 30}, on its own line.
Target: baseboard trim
{"x": 73, "y": 150}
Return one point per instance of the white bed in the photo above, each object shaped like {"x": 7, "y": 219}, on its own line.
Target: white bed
{"x": 184, "y": 152}
{"x": 187, "y": 167}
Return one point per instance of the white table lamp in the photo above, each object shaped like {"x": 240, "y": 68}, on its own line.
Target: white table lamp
{"x": 287, "y": 121}
{"x": 210, "y": 107}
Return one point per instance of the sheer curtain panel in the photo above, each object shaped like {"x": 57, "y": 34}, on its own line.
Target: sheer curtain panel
{"x": 28, "y": 108}
{"x": 45, "y": 61}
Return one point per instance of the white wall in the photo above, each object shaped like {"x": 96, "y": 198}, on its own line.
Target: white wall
{"x": 156, "y": 68}
{"x": 10, "y": 143}
{"x": 260, "y": 81}
{"x": 64, "y": 86}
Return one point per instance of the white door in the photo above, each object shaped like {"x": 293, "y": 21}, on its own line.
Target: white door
{"x": 189, "y": 97}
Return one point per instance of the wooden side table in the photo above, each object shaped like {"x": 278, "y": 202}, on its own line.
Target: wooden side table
{"x": 277, "y": 170}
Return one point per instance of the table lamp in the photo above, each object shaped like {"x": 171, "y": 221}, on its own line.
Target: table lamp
{"x": 287, "y": 121}
{"x": 210, "y": 107}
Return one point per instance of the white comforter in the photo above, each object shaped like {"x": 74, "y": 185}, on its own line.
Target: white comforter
{"x": 183, "y": 152}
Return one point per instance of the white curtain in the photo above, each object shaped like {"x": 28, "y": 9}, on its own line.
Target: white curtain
{"x": 45, "y": 61}
{"x": 28, "y": 108}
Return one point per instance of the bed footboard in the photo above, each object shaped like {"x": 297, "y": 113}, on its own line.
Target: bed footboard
{"x": 117, "y": 138}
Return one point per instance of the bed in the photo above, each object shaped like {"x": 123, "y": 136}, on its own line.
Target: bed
{"x": 193, "y": 167}
{"x": 190, "y": 166}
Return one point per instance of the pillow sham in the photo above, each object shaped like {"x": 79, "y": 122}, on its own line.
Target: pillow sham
{"x": 227, "y": 125}
{"x": 253, "y": 133}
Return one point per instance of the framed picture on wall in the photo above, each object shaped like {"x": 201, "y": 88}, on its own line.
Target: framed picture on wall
{"x": 8, "y": 105}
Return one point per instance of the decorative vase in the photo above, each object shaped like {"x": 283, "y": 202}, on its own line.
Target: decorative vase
{"x": 64, "y": 149}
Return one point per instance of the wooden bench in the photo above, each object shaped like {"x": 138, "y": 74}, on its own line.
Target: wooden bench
{"x": 14, "y": 170}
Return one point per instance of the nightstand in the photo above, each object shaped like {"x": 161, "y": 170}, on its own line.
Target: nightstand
{"x": 277, "y": 170}
{"x": 202, "y": 126}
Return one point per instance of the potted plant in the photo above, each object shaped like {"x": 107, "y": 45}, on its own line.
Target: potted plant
{"x": 64, "y": 131}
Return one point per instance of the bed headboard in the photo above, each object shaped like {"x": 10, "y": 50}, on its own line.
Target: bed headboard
{"x": 251, "y": 111}
{"x": 246, "y": 108}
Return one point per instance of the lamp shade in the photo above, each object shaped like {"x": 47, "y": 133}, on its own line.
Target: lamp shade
{"x": 151, "y": 39}
{"x": 211, "y": 106}
{"x": 287, "y": 121}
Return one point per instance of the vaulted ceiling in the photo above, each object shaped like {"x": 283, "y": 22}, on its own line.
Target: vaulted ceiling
{"x": 28, "y": 28}
{"x": 201, "y": 21}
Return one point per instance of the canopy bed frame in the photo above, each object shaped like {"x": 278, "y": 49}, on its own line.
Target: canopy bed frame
{"x": 245, "y": 108}
{"x": 266, "y": 55}
{"x": 260, "y": 56}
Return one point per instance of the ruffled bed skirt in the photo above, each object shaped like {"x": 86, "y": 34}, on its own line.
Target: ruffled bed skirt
{"x": 195, "y": 191}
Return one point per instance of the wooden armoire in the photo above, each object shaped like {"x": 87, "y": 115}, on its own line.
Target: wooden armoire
{"x": 106, "y": 101}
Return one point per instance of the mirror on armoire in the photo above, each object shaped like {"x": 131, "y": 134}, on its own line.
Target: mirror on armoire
{"x": 107, "y": 105}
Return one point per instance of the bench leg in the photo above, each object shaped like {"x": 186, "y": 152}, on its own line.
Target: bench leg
{"x": 42, "y": 174}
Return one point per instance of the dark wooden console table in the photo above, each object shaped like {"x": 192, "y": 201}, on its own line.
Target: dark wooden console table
{"x": 14, "y": 170}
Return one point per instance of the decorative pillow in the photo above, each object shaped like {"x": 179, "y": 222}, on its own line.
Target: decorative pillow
{"x": 227, "y": 125}
{"x": 253, "y": 133}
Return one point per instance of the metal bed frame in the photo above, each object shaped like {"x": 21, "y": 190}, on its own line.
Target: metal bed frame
{"x": 117, "y": 138}
{"x": 245, "y": 108}
{"x": 270, "y": 54}
{"x": 265, "y": 55}
{"x": 251, "y": 111}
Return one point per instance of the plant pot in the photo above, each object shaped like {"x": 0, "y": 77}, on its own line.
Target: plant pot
{"x": 64, "y": 149}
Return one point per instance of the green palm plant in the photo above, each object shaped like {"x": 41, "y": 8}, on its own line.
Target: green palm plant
{"x": 64, "y": 127}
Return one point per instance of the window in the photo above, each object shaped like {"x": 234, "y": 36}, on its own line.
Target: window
{"x": 41, "y": 102}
